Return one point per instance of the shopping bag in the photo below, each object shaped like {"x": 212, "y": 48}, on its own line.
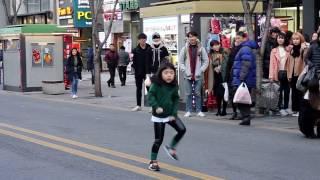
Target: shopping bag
{"x": 242, "y": 95}
{"x": 211, "y": 101}
{"x": 301, "y": 77}
{"x": 226, "y": 92}
{"x": 147, "y": 82}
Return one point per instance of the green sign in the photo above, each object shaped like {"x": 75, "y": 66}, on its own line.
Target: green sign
{"x": 127, "y": 5}
{"x": 82, "y": 14}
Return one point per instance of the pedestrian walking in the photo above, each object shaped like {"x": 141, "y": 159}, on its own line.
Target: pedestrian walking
{"x": 90, "y": 63}
{"x": 278, "y": 72}
{"x": 124, "y": 60}
{"x": 218, "y": 63}
{"x": 141, "y": 61}
{"x": 73, "y": 69}
{"x": 112, "y": 59}
{"x": 193, "y": 61}
{"x": 296, "y": 66}
{"x": 163, "y": 96}
{"x": 244, "y": 71}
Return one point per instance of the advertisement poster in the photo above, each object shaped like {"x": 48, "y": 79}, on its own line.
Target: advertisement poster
{"x": 47, "y": 53}
{"x": 42, "y": 55}
{"x": 36, "y": 55}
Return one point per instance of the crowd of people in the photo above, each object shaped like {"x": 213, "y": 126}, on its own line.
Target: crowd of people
{"x": 291, "y": 61}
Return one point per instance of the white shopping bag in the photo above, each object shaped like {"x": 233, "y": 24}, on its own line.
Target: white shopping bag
{"x": 242, "y": 95}
{"x": 226, "y": 92}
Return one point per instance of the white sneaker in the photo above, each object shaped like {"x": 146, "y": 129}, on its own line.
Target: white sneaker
{"x": 137, "y": 108}
{"x": 201, "y": 114}
{"x": 188, "y": 114}
{"x": 283, "y": 112}
{"x": 289, "y": 111}
{"x": 295, "y": 114}
{"x": 74, "y": 96}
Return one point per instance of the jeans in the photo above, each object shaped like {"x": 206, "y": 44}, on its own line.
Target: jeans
{"x": 197, "y": 93}
{"x": 92, "y": 76}
{"x": 75, "y": 80}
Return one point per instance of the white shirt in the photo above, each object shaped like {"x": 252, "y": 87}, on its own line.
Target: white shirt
{"x": 283, "y": 58}
{"x": 160, "y": 120}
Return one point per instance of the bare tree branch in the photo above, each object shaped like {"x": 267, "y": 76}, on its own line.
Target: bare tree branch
{"x": 254, "y": 6}
{"x": 19, "y": 6}
{"x": 5, "y": 7}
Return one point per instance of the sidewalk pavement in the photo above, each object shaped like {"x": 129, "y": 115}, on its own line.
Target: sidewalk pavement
{"x": 123, "y": 98}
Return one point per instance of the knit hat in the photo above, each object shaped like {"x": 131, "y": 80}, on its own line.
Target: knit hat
{"x": 156, "y": 35}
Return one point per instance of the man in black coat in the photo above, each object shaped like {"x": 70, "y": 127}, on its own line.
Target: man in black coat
{"x": 271, "y": 43}
{"x": 141, "y": 64}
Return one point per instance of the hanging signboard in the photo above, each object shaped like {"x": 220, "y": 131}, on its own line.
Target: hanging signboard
{"x": 82, "y": 13}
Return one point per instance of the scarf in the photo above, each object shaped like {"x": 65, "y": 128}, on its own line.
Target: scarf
{"x": 296, "y": 51}
{"x": 156, "y": 53}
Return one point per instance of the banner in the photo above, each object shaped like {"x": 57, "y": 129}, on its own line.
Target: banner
{"x": 82, "y": 13}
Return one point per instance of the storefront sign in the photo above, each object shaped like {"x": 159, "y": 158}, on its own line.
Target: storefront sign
{"x": 127, "y": 5}
{"x": 82, "y": 13}
{"x": 65, "y": 13}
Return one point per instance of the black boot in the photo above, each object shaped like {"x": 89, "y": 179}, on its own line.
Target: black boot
{"x": 234, "y": 116}
{"x": 218, "y": 113}
{"x": 109, "y": 83}
{"x": 245, "y": 122}
{"x": 224, "y": 113}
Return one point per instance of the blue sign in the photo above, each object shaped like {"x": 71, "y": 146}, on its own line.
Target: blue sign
{"x": 82, "y": 14}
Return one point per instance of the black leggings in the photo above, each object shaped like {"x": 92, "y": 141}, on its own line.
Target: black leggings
{"x": 159, "y": 129}
{"x": 296, "y": 95}
{"x": 284, "y": 91}
{"x": 220, "y": 101}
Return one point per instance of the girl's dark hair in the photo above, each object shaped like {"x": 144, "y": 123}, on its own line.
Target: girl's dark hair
{"x": 158, "y": 77}
{"x": 215, "y": 42}
{"x": 283, "y": 36}
{"x": 242, "y": 34}
{"x": 78, "y": 53}
{"x": 192, "y": 33}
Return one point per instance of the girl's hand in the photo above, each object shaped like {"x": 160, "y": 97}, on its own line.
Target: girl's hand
{"x": 159, "y": 110}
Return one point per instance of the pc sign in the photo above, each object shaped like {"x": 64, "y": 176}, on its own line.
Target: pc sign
{"x": 82, "y": 13}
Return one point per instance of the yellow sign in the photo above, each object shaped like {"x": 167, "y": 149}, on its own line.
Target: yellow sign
{"x": 65, "y": 11}
{"x": 86, "y": 15}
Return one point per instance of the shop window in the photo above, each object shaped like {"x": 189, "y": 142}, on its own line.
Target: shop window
{"x": 12, "y": 44}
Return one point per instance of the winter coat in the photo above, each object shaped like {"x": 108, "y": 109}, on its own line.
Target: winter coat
{"x": 271, "y": 43}
{"x": 202, "y": 62}
{"x": 234, "y": 51}
{"x": 124, "y": 58}
{"x": 164, "y": 96}
{"x": 159, "y": 55}
{"x": 313, "y": 56}
{"x": 72, "y": 70}
{"x": 112, "y": 58}
{"x": 214, "y": 62}
{"x": 141, "y": 60}
{"x": 90, "y": 64}
{"x": 275, "y": 64}
{"x": 296, "y": 64}
{"x": 244, "y": 68}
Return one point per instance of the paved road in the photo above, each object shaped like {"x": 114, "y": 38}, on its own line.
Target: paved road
{"x": 115, "y": 143}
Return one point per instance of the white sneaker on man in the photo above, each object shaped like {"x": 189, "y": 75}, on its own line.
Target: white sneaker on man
{"x": 188, "y": 114}
{"x": 283, "y": 112}
{"x": 137, "y": 108}
{"x": 295, "y": 114}
{"x": 201, "y": 114}
{"x": 289, "y": 111}
{"x": 74, "y": 96}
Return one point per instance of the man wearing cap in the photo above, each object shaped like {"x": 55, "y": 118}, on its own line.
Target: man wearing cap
{"x": 160, "y": 53}
{"x": 141, "y": 64}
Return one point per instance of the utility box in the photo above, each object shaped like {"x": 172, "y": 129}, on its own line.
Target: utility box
{"x": 32, "y": 54}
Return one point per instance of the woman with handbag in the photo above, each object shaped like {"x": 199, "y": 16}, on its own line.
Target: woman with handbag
{"x": 296, "y": 65}
{"x": 218, "y": 60}
{"x": 279, "y": 66}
